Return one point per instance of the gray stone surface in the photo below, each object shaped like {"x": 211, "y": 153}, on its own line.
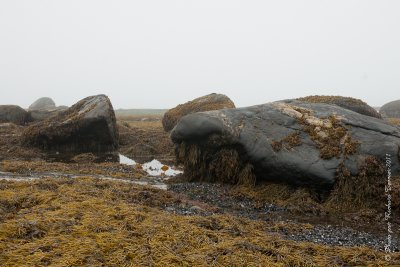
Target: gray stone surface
{"x": 252, "y": 130}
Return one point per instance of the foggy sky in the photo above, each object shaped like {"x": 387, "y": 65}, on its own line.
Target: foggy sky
{"x": 157, "y": 54}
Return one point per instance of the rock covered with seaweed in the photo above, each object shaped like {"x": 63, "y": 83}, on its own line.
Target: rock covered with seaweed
{"x": 89, "y": 126}
{"x": 204, "y": 103}
{"x": 350, "y": 103}
{"x": 292, "y": 142}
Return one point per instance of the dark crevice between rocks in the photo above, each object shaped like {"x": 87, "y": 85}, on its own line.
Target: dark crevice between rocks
{"x": 398, "y": 153}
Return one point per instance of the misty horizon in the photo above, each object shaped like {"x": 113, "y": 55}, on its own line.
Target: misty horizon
{"x": 158, "y": 54}
{"x": 144, "y": 107}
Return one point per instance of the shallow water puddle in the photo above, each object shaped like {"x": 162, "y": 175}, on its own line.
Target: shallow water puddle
{"x": 11, "y": 177}
{"x": 154, "y": 184}
{"x": 153, "y": 168}
{"x": 19, "y": 179}
{"x": 157, "y": 172}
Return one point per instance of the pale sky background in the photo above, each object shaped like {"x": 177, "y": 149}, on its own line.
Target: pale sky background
{"x": 157, "y": 54}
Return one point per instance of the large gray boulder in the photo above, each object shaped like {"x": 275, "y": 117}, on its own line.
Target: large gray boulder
{"x": 204, "y": 103}
{"x": 89, "y": 126}
{"x": 391, "y": 109}
{"x": 45, "y": 103}
{"x": 14, "y": 114}
{"x": 292, "y": 142}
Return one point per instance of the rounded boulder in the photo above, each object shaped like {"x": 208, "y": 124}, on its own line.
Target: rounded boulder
{"x": 204, "y": 103}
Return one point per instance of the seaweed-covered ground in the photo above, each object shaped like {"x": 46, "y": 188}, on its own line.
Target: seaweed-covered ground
{"x": 68, "y": 222}
{"x": 143, "y": 138}
{"x": 363, "y": 228}
{"x": 10, "y": 144}
{"x": 55, "y": 214}
{"x": 109, "y": 214}
{"x": 394, "y": 121}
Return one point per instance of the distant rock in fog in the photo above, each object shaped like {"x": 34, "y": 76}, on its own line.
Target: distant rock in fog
{"x": 391, "y": 109}
{"x": 42, "y": 114}
{"x": 89, "y": 126}
{"x": 43, "y": 103}
{"x": 44, "y": 108}
{"x": 204, "y": 103}
{"x": 14, "y": 114}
